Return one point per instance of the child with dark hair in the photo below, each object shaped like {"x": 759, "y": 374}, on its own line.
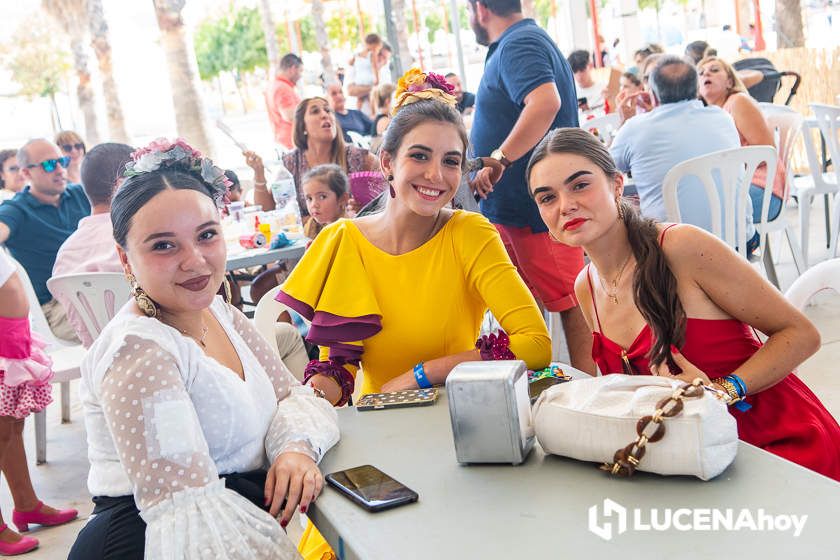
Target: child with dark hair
{"x": 235, "y": 189}
{"x": 326, "y": 190}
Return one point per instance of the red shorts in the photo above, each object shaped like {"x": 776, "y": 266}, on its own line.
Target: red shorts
{"x": 548, "y": 268}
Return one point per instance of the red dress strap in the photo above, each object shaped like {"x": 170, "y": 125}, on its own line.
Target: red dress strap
{"x": 592, "y": 295}
{"x": 664, "y": 231}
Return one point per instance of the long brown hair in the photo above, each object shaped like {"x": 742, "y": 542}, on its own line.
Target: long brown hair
{"x": 338, "y": 154}
{"x": 654, "y": 284}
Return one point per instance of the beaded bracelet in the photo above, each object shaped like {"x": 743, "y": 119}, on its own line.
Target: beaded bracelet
{"x": 334, "y": 371}
{"x": 495, "y": 347}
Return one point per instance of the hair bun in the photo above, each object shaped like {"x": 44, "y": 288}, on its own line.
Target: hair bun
{"x": 415, "y": 86}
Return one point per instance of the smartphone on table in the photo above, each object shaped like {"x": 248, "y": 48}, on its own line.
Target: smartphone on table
{"x": 371, "y": 488}
{"x": 397, "y": 399}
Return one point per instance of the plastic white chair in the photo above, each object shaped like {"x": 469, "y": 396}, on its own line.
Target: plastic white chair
{"x": 94, "y": 296}
{"x": 729, "y": 202}
{"x": 826, "y": 184}
{"x": 66, "y": 356}
{"x": 823, "y": 276}
{"x": 359, "y": 140}
{"x": 786, "y": 124}
{"x": 265, "y": 317}
{"x": 606, "y": 125}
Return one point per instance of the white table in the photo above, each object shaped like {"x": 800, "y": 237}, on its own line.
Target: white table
{"x": 255, "y": 257}
{"x": 540, "y": 509}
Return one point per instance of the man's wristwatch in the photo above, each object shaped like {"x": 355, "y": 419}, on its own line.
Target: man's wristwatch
{"x": 499, "y": 156}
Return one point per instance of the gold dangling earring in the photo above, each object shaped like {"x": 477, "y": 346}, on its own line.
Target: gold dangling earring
{"x": 144, "y": 302}
{"x": 620, "y": 208}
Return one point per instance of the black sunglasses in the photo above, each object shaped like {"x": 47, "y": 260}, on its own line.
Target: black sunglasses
{"x": 69, "y": 147}
{"x": 49, "y": 165}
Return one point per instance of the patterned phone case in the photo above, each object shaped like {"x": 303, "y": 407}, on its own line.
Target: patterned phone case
{"x": 398, "y": 399}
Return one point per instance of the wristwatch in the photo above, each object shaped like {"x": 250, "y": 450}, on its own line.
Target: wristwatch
{"x": 499, "y": 156}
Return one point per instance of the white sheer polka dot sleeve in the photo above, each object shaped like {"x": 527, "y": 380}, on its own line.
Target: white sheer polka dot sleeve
{"x": 188, "y": 511}
{"x": 304, "y": 422}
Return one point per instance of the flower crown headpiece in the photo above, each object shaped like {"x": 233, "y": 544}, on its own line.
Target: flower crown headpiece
{"x": 165, "y": 154}
{"x": 416, "y": 85}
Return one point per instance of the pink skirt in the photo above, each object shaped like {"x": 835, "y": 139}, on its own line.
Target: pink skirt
{"x": 25, "y": 370}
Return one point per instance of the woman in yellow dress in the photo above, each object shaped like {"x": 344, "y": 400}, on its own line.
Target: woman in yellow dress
{"x": 403, "y": 292}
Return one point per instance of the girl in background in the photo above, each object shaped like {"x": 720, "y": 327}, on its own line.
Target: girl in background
{"x": 327, "y": 192}
{"x": 25, "y": 374}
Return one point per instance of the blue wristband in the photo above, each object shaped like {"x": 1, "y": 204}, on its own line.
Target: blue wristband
{"x": 420, "y": 376}
{"x": 741, "y": 405}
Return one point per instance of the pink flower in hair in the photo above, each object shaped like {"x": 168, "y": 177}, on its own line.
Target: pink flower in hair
{"x": 439, "y": 82}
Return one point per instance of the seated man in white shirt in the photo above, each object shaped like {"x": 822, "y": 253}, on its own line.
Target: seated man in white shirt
{"x": 587, "y": 88}
{"x": 678, "y": 128}
{"x": 91, "y": 248}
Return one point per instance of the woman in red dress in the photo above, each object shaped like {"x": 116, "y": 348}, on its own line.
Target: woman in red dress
{"x": 674, "y": 300}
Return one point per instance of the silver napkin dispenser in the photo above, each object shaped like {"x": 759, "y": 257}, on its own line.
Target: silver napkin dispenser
{"x": 490, "y": 411}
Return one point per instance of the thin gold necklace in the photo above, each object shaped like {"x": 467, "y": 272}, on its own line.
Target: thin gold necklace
{"x": 200, "y": 339}
{"x": 613, "y": 295}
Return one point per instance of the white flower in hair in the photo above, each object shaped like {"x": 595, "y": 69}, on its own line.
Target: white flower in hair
{"x": 163, "y": 153}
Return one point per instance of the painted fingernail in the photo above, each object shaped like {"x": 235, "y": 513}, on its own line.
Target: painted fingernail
{"x": 283, "y": 523}
{"x": 303, "y": 509}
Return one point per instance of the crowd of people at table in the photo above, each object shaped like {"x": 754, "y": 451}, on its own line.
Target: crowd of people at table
{"x": 197, "y": 428}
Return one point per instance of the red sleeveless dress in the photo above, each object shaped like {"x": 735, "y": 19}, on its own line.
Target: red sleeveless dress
{"x": 786, "y": 419}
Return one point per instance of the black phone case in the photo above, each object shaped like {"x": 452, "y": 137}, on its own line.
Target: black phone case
{"x": 373, "y": 509}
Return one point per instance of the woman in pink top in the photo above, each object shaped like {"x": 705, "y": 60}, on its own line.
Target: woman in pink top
{"x": 720, "y": 85}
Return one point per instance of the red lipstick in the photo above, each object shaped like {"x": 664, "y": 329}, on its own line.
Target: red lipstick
{"x": 573, "y": 224}
{"x": 196, "y": 284}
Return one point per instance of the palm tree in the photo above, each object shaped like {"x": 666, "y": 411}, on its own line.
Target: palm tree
{"x": 71, "y": 15}
{"x": 189, "y": 109}
{"x": 399, "y": 19}
{"x": 789, "y": 24}
{"x": 270, "y": 36}
{"x": 102, "y": 47}
{"x": 323, "y": 40}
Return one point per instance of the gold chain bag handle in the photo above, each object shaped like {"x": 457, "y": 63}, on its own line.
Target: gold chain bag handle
{"x": 627, "y": 458}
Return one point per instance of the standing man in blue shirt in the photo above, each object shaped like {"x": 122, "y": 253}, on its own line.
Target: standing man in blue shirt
{"x": 35, "y": 223}
{"x": 527, "y": 89}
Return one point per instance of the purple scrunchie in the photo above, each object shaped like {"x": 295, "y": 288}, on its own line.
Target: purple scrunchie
{"x": 495, "y": 347}
{"x": 333, "y": 370}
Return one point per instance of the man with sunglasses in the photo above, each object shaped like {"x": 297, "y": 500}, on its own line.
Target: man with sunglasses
{"x": 35, "y": 223}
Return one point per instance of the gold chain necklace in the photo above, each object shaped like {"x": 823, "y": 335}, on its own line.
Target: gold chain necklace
{"x": 200, "y": 339}
{"x": 614, "y": 294}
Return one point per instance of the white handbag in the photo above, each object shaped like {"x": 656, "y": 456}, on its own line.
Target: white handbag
{"x": 591, "y": 419}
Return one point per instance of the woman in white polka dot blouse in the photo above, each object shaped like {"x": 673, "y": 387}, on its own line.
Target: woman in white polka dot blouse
{"x": 197, "y": 432}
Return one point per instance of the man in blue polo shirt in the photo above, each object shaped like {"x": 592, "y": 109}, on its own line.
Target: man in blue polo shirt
{"x": 527, "y": 89}
{"x": 35, "y": 223}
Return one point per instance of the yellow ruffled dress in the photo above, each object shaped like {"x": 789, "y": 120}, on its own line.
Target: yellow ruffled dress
{"x": 389, "y": 312}
{"x": 392, "y": 311}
